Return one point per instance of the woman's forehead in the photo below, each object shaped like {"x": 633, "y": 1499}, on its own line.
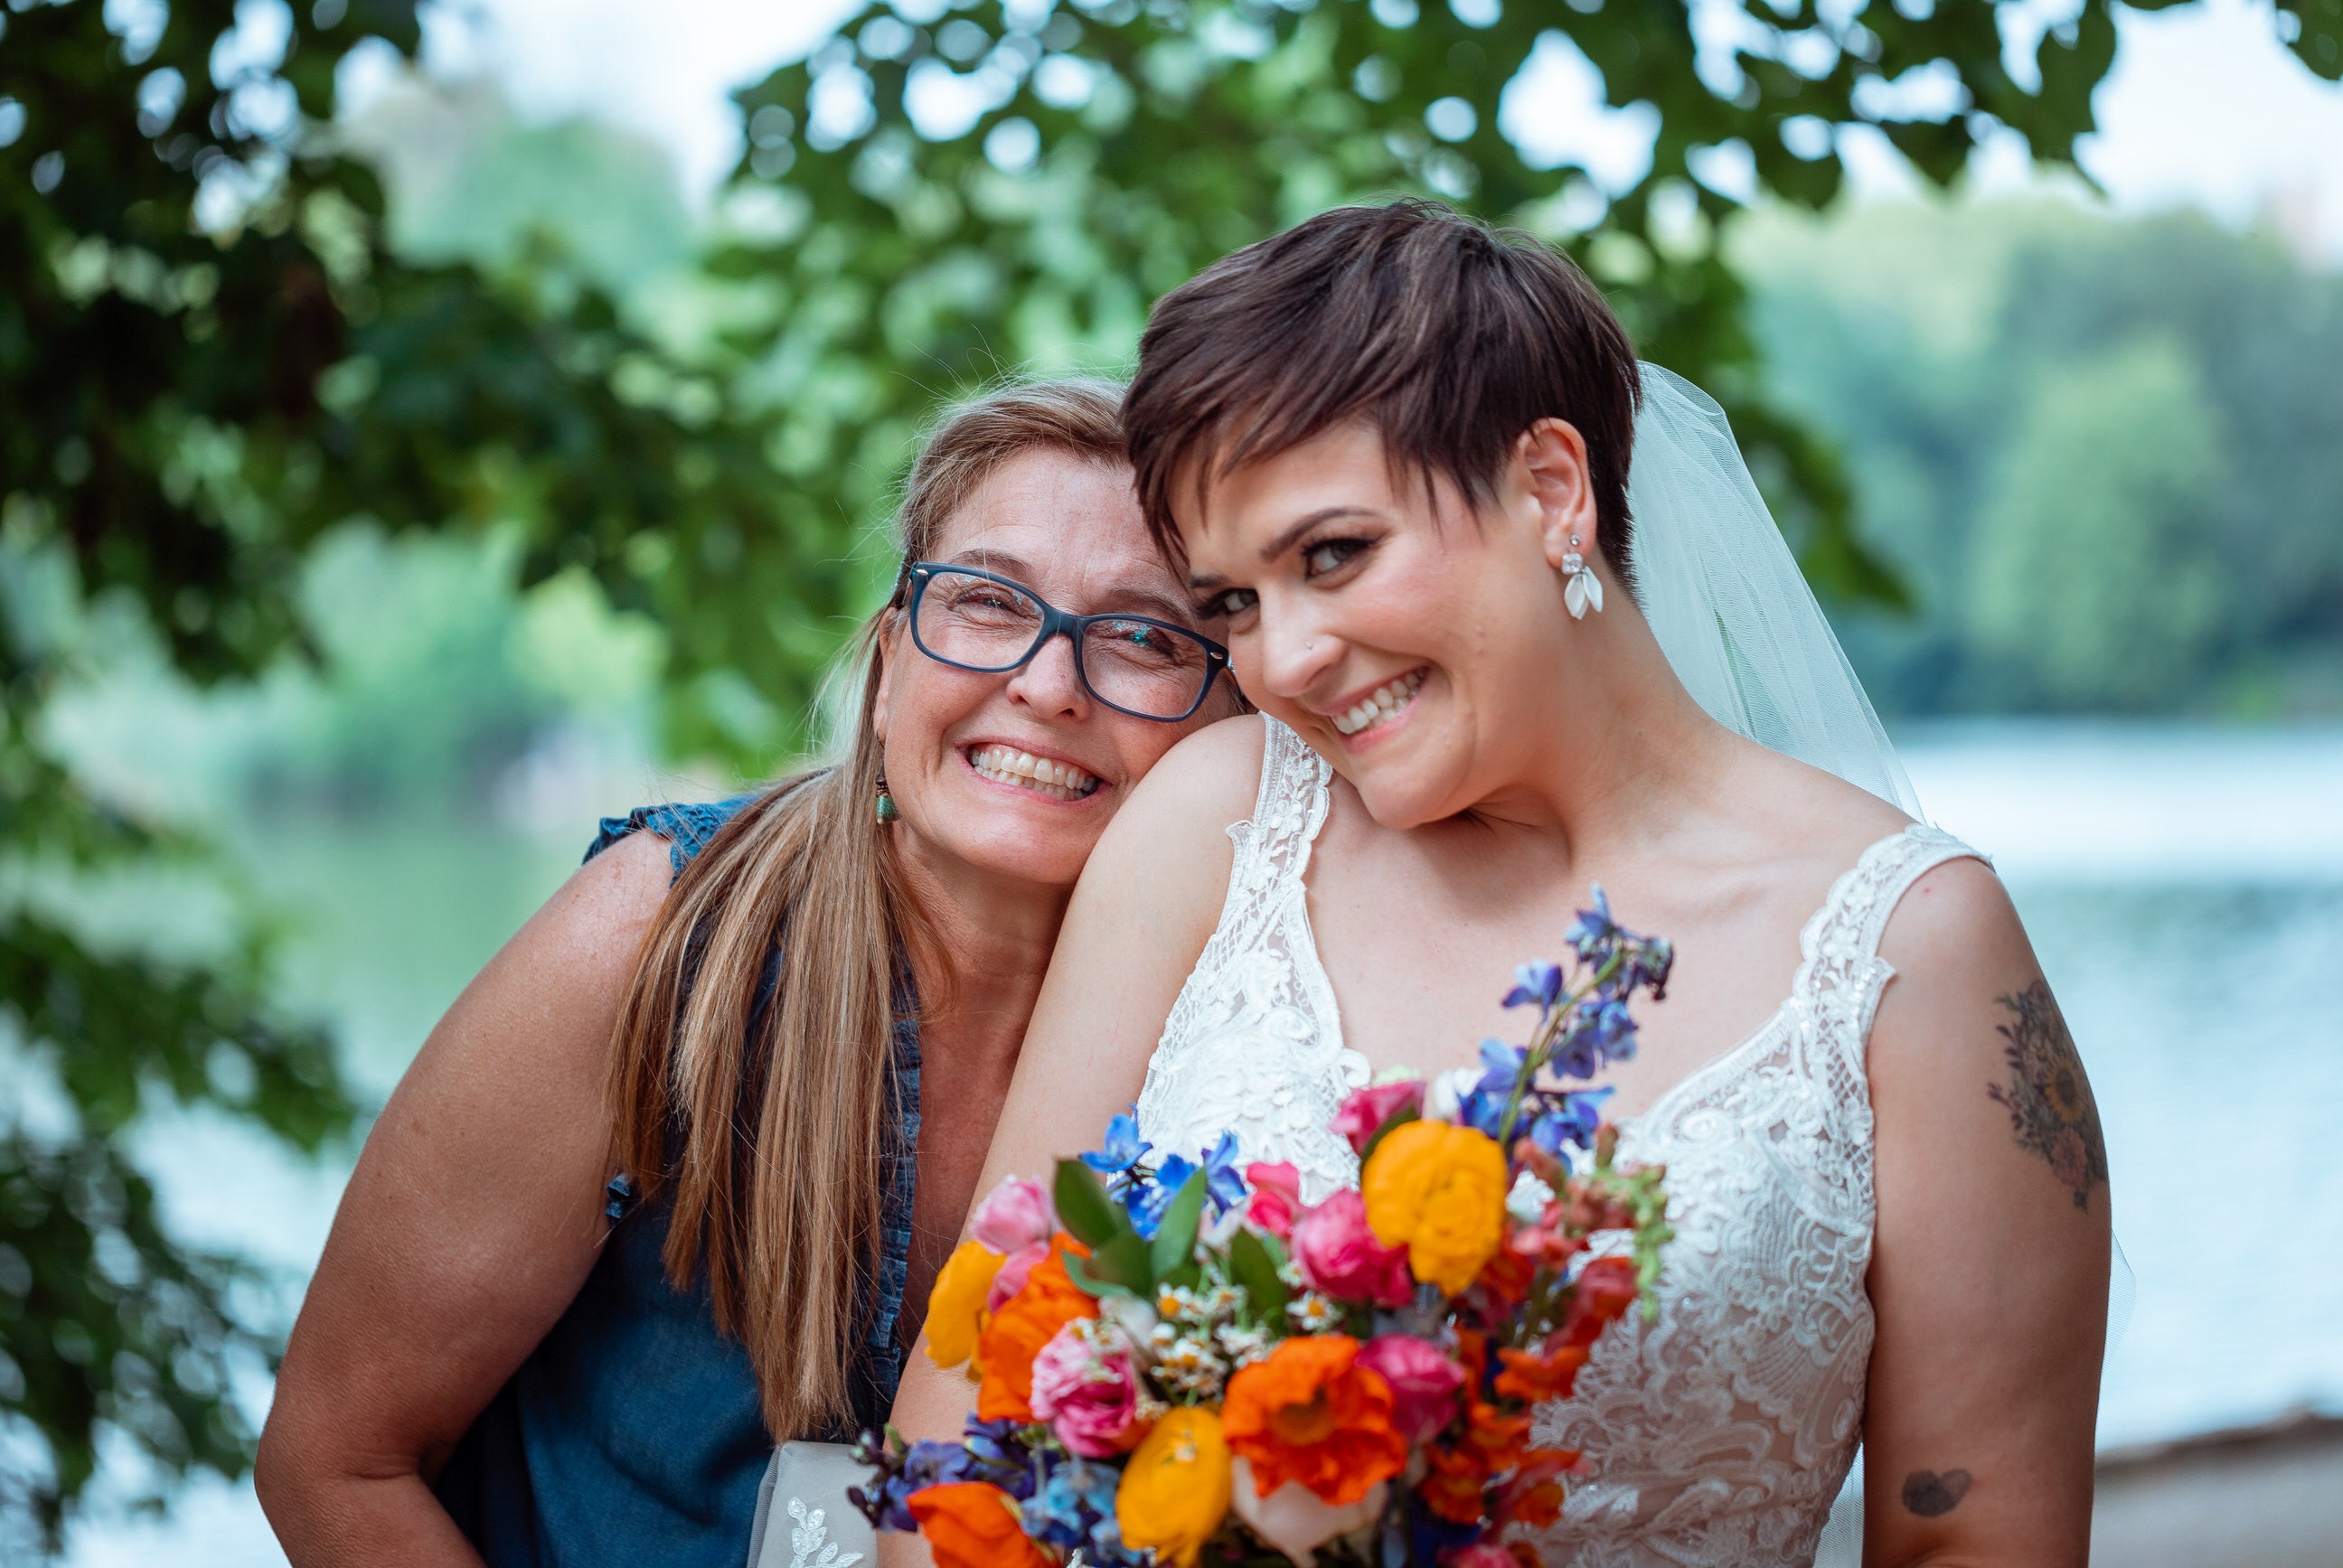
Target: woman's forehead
{"x": 1078, "y": 539}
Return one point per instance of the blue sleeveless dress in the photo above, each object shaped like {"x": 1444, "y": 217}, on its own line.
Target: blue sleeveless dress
{"x": 633, "y": 1433}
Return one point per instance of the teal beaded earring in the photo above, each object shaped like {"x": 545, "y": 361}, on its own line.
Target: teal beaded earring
{"x": 886, "y": 811}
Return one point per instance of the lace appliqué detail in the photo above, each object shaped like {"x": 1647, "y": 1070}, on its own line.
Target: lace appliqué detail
{"x": 1253, "y": 1044}
{"x": 809, "y": 1543}
{"x": 1718, "y": 1435}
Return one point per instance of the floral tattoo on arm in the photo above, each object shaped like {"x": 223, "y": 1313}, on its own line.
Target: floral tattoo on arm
{"x": 2051, "y": 1111}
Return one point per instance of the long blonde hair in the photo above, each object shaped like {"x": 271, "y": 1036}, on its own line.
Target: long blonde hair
{"x": 772, "y": 1129}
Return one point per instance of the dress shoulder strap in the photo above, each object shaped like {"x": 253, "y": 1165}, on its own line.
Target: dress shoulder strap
{"x": 1274, "y": 844}
{"x": 1842, "y": 975}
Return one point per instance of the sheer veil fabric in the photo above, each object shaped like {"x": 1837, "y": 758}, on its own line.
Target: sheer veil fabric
{"x": 1728, "y": 604}
{"x": 1743, "y": 631}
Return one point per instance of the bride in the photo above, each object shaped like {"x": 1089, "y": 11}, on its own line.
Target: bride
{"x": 1486, "y": 682}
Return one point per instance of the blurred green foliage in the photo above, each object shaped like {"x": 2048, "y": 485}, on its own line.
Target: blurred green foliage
{"x": 210, "y": 360}
{"x": 2108, "y": 457}
{"x": 226, "y": 388}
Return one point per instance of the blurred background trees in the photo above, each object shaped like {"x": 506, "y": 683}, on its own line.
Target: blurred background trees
{"x": 385, "y": 493}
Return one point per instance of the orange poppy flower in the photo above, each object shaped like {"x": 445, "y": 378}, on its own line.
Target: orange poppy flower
{"x": 1531, "y": 1377}
{"x": 1454, "y": 1483}
{"x": 1507, "y": 1278}
{"x": 969, "y": 1524}
{"x": 1497, "y": 1439}
{"x": 1308, "y": 1412}
{"x": 1026, "y": 1321}
{"x": 1533, "y": 1495}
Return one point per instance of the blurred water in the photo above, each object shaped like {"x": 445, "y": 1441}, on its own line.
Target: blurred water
{"x": 2184, "y": 887}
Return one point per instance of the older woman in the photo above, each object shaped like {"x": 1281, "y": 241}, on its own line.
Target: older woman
{"x": 510, "y": 1354}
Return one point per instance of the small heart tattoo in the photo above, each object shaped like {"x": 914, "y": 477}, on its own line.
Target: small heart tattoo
{"x": 1929, "y": 1494}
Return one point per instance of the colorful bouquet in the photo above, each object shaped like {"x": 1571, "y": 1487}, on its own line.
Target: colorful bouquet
{"x": 1177, "y": 1360}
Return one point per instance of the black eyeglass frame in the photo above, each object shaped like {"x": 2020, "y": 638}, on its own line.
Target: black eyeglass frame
{"x": 911, "y": 586}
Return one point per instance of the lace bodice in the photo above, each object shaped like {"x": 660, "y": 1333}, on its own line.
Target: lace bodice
{"x": 1719, "y": 1433}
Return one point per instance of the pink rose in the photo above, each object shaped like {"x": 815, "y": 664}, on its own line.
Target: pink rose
{"x": 1340, "y": 1255}
{"x": 1423, "y": 1383}
{"x": 1085, "y": 1387}
{"x": 1016, "y": 1214}
{"x": 1368, "y": 1109}
{"x": 1276, "y": 1194}
{"x": 1482, "y": 1554}
{"x": 1010, "y": 1279}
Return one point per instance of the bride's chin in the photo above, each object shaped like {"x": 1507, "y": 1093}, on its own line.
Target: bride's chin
{"x": 1401, "y": 800}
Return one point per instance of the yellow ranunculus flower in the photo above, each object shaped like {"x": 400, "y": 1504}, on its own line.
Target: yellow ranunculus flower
{"x": 1439, "y": 1190}
{"x": 956, "y": 1306}
{"x": 1176, "y": 1487}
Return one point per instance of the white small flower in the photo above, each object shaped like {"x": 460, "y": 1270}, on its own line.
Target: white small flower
{"x": 1444, "y": 1100}
{"x": 1313, "y": 1313}
{"x": 1528, "y": 1199}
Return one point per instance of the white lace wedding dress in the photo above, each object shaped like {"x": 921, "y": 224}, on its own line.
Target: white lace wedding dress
{"x": 1719, "y": 1434}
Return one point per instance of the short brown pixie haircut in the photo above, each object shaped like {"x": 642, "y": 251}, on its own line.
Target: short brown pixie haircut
{"x": 1452, "y": 337}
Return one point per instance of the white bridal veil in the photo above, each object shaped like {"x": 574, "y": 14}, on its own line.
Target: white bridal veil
{"x": 1727, "y": 601}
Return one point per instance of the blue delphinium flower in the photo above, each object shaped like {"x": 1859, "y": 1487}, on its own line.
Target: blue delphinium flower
{"x": 1535, "y": 985}
{"x": 1568, "y": 1121}
{"x": 1483, "y": 1107}
{"x": 1123, "y": 1148}
{"x": 1147, "y": 1200}
{"x": 1073, "y": 1507}
{"x": 1612, "y": 1029}
{"x": 1222, "y": 1181}
{"x": 1591, "y": 934}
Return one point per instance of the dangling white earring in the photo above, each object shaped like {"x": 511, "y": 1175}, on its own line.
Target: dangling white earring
{"x": 1582, "y": 589}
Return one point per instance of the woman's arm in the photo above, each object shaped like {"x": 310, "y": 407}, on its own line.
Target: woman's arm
{"x": 1143, "y": 910}
{"x": 471, "y": 1221}
{"x": 1989, "y": 1269}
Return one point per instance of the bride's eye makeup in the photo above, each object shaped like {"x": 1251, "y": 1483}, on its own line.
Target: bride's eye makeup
{"x": 1325, "y": 558}
{"x": 1226, "y": 605}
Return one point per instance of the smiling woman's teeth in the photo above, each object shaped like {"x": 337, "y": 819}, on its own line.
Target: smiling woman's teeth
{"x": 1387, "y": 699}
{"x": 1007, "y": 765}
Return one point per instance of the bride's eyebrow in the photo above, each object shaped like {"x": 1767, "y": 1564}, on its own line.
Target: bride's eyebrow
{"x": 1291, "y": 535}
{"x": 1287, "y": 538}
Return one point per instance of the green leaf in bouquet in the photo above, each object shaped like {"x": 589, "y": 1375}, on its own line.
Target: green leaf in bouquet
{"x": 1078, "y": 1271}
{"x": 1255, "y": 1262}
{"x": 1175, "y": 1238}
{"x": 1091, "y": 1216}
{"x": 1119, "y": 1268}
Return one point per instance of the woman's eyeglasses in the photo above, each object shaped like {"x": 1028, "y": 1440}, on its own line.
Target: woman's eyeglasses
{"x": 979, "y": 621}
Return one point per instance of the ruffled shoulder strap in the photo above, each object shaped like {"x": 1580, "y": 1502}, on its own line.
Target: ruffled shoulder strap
{"x": 687, "y": 826}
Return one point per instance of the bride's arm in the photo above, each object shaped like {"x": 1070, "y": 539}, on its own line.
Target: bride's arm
{"x": 1146, "y": 905}
{"x": 1989, "y": 1268}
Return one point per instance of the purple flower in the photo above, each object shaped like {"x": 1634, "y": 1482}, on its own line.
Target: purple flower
{"x": 938, "y": 1464}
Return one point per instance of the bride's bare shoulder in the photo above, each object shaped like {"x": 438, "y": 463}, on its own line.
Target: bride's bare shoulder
{"x": 1190, "y": 798}
{"x": 1815, "y": 824}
